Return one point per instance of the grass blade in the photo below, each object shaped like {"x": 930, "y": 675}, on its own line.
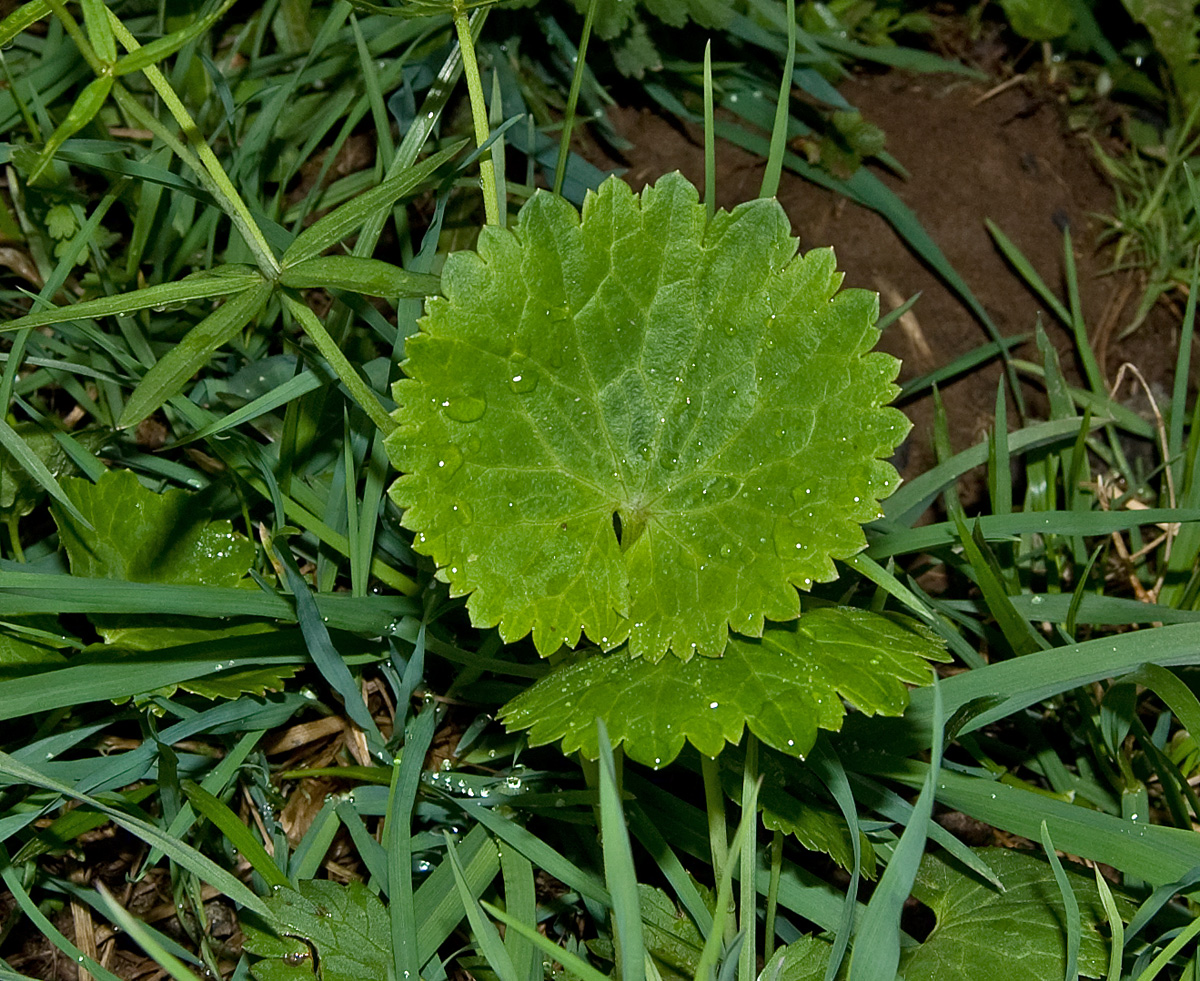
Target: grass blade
{"x": 619, "y": 873}
{"x": 487, "y": 939}
{"x": 239, "y": 835}
{"x": 877, "y": 944}
{"x": 166, "y": 379}
{"x": 176, "y": 850}
{"x": 1070, "y": 906}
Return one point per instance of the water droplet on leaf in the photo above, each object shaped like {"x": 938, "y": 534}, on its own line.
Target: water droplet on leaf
{"x": 465, "y": 408}
{"x": 450, "y": 462}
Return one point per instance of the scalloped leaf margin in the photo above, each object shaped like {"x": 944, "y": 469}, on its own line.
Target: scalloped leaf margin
{"x": 785, "y": 686}
{"x": 642, "y": 425}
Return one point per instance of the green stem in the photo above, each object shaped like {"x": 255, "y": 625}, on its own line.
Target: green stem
{"x": 773, "y": 896}
{"x": 13, "y": 520}
{"x": 748, "y": 960}
{"x": 718, "y": 835}
{"x": 487, "y": 174}
{"x": 710, "y": 137}
{"x": 564, "y": 143}
{"x": 771, "y": 175}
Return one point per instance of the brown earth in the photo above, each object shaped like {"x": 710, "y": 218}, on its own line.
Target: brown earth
{"x": 970, "y": 155}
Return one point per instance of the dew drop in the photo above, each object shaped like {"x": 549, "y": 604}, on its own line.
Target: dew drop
{"x": 462, "y": 511}
{"x": 465, "y": 408}
{"x": 522, "y": 374}
{"x": 450, "y": 462}
{"x": 726, "y": 551}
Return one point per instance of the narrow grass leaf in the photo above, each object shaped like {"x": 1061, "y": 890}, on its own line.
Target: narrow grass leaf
{"x": 372, "y": 277}
{"x": 706, "y": 967}
{"x": 877, "y": 944}
{"x": 1116, "y": 928}
{"x": 134, "y": 927}
{"x": 340, "y": 222}
{"x": 1026, "y": 271}
{"x": 710, "y": 137}
{"x": 552, "y": 951}
{"x": 748, "y": 900}
{"x": 829, "y": 770}
{"x": 359, "y": 390}
{"x": 487, "y": 938}
{"x": 238, "y": 833}
{"x": 911, "y": 500}
{"x": 961, "y": 365}
{"x": 309, "y": 856}
{"x": 438, "y": 898}
{"x": 619, "y": 873}
{"x": 521, "y": 900}
{"x": 1153, "y": 853}
{"x": 320, "y": 646}
{"x": 293, "y": 388}
{"x": 537, "y": 851}
{"x": 176, "y": 850}
{"x": 1001, "y": 527}
{"x": 671, "y": 867}
{"x": 214, "y": 782}
{"x": 167, "y": 377}
{"x": 30, "y": 592}
{"x": 12, "y": 878}
{"x": 1183, "y": 361}
{"x": 397, "y": 840}
{"x": 1070, "y": 907}
{"x": 779, "y": 131}
{"x": 1017, "y": 631}
{"x": 999, "y": 461}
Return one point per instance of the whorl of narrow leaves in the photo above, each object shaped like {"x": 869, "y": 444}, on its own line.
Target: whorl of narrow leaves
{"x": 642, "y": 425}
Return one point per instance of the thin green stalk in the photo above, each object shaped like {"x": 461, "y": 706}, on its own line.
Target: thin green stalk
{"x": 14, "y": 534}
{"x": 748, "y": 958}
{"x": 564, "y": 143}
{"x": 770, "y": 183}
{"x": 718, "y": 835}
{"x": 710, "y": 138}
{"x": 487, "y": 174}
{"x": 773, "y": 896}
{"x": 211, "y": 173}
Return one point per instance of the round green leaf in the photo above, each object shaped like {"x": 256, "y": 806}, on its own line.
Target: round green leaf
{"x": 785, "y": 686}
{"x": 642, "y": 424}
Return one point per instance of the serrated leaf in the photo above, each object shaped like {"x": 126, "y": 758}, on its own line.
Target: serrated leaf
{"x": 654, "y": 426}
{"x": 671, "y": 938}
{"x": 347, "y": 926}
{"x": 816, "y": 828}
{"x": 807, "y": 959}
{"x": 141, "y": 536}
{"x": 256, "y": 681}
{"x": 19, "y": 491}
{"x": 60, "y": 221}
{"x": 983, "y": 934}
{"x": 784, "y": 686}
